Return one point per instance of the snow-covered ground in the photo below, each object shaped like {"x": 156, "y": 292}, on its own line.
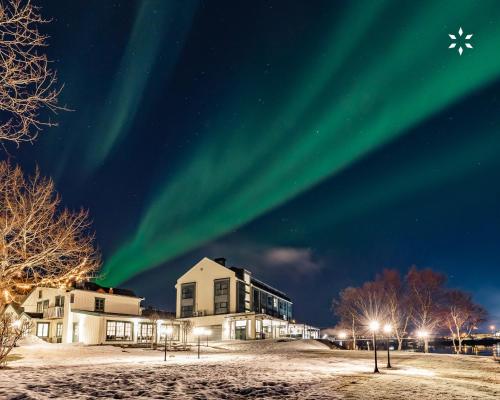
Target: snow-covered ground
{"x": 261, "y": 369}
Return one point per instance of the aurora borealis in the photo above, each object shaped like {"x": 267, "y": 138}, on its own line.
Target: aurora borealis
{"x": 345, "y": 128}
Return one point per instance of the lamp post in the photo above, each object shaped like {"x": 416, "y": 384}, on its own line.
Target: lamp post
{"x": 387, "y": 331}
{"x": 167, "y": 331}
{"x": 423, "y": 334}
{"x": 374, "y": 327}
{"x": 198, "y": 332}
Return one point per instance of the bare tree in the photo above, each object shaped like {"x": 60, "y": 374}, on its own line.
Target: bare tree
{"x": 426, "y": 291}
{"x": 397, "y": 303}
{"x": 27, "y": 84}
{"x": 356, "y": 307}
{"x": 40, "y": 244}
{"x": 11, "y": 330}
{"x": 345, "y": 308}
{"x": 461, "y": 315}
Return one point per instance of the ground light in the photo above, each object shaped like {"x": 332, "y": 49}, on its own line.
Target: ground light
{"x": 167, "y": 332}
{"x": 374, "y": 327}
{"x": 199, "y": 332}
{"x": 387, "y": 331}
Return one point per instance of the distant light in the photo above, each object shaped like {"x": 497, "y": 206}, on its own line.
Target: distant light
{"x": 374, "y": 326}
{"x": 422, "y": 333}
{"x": 342, "y": 335}
{"x": 198, "y": 331}
{"x": 16, "y": 324}
{"x": 492, "y": 327}
{"x": 387, "y": 328}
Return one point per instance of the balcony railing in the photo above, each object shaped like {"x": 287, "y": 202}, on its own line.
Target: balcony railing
{"x": 53, "y": 312}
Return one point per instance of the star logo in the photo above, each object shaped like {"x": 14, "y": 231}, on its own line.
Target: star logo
{"x": 461, "y": 41}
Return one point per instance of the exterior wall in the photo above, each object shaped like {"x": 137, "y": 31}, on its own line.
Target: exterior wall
{"x": 203, "y": 274}
{"x": 85, "y": 300}
{"x": 30, "y": 303}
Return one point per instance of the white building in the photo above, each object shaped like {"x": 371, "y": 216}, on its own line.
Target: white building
{"x": 232, "y": 304}
{"x": 91, "y": 314}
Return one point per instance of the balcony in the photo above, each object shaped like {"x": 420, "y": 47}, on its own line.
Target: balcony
{"x": 53, "y": 312}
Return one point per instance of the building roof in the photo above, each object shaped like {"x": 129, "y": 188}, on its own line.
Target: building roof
{"x": 255, "y": 282}
{"x": 94, "y": 287}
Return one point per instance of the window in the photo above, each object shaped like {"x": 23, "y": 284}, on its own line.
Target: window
{"x": 221, "y": 296}
{"x": 59, "y": 329}
{"x": 72, "y": 298}
{"x": 42, "y": 329}
{"x": 240, "y": 299}
{"x": 59, "y": 301}
{"x": 118, "y": 330}
{"x": 221, "y": 287}
{"x": 40, "y": 294}
{"x": 99, "y": 304}
{"x": 39, "y": 307}
{"x": 256, "y": 300}
{"x": 175, "y": 332}
{"x": 145, "y": 332}
{"x": 188, "y": 291}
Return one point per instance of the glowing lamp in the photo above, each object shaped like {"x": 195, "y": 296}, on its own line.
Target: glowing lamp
{"x": 374, "y": 326}
{"x": 422, "y": 333}
{"x": 198, "y": 331}
{"x": 387, "y": 328}
{"x": 16, "y": 324}
{"x": 342, "y": 335}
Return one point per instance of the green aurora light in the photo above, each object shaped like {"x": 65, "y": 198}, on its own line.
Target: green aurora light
{"x": 370, "y": 82}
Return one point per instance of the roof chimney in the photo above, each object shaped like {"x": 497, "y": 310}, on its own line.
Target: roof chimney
{"x": 221, "y": 261}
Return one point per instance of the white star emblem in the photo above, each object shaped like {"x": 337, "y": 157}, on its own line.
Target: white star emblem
{"x": 466, "y": 44}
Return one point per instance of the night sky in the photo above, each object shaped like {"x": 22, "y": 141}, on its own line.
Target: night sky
{"x": 313, "y": 142}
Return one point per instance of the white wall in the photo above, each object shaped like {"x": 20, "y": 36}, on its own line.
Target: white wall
{"x": 203, "y": 274}
{"x": 85, "y": 300}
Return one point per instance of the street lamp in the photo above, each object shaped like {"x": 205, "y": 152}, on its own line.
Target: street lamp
{"x": 198, "y": 331}
{"x": 423, "y": 334}
{"x": 492, "y": 329}
{"x": 374, "y": 327}
{"x": 167, "y": 331}
{"x": 387, "y": 331}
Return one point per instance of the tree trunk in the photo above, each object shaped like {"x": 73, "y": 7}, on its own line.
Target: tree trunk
{"x": 426, "y": 345}
{"x": 400, "y": 343}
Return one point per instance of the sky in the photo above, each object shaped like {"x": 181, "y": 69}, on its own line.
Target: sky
{"x": 314, "y": 143}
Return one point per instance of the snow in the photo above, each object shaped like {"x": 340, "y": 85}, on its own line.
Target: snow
{"x": 267, "y": 369}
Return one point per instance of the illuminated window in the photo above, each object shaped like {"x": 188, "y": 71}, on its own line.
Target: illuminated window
{"x": 99, "y": 304}
{"x": 42, "y": 329}
{"x": 118, "y": 330}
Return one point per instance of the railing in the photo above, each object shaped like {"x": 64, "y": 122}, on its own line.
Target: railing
{"x": 53, "y": 312}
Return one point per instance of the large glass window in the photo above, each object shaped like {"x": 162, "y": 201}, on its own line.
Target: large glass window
{"x": 221, "y": 296}
{"x": 188, "y": 292}
{"x": 42, "y": 329}
{"x": 99, "y": 304}
{"x": 145, "y": 332}
{"x": 118, "y": 330}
